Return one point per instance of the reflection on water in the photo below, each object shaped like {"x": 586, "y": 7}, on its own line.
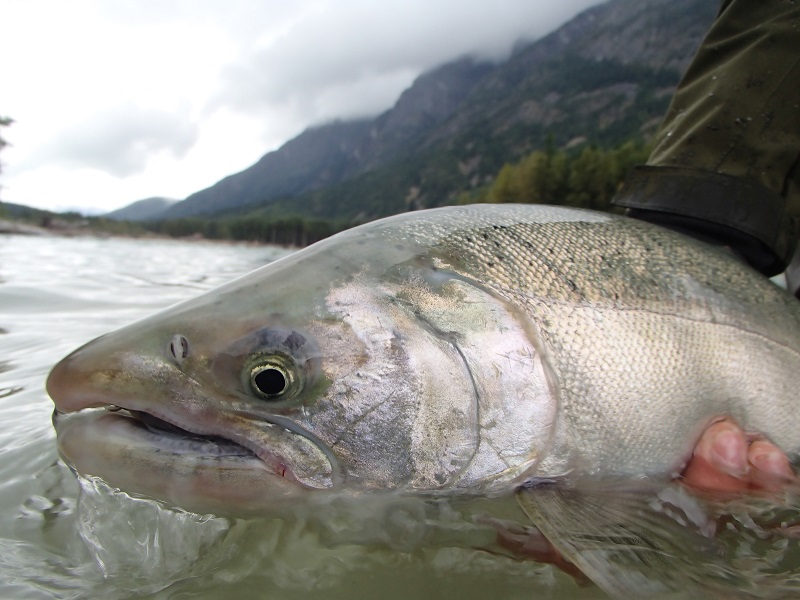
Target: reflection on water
{"x": 62, "y": 539}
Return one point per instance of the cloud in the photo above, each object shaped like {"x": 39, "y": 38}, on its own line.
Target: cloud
{"x": 120, "y": 141}
{"x": 375, "y": 50}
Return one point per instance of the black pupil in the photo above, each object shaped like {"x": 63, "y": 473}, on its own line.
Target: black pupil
{"x": 270, "y": 382}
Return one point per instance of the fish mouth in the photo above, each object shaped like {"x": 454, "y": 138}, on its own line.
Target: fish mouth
{"x": 167, "y": 436}
{"x": 163, "y": 458}
{"x": 170, "y": 437}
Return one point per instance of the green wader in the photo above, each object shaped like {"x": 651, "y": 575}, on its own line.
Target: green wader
{"x": 725, "y": 163}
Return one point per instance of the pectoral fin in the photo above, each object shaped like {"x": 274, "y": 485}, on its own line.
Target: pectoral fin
{"x": 633, "y": 541}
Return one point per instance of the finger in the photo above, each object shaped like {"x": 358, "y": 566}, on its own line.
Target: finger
{"x": 770, "y": 466}
{"x": 768, "y": 458}
{"x": 719, "y": 461}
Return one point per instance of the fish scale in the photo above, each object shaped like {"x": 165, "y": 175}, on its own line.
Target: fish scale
{"x": 632, "y": 315}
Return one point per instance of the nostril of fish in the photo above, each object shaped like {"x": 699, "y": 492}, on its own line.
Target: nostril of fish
{"x": 179, "y": 347}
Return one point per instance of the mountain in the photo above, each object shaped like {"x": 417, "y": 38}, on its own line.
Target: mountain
{"x": 332, "y": 153}
{"x": 141, "y": 210}
{"x": 603, "y": 77}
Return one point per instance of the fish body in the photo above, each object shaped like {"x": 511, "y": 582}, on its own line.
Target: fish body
{"x": 569, "y": 357}
{"x": 463, "y": 350}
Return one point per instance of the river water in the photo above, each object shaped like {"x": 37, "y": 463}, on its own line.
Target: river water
{"x": 58, "y": 541}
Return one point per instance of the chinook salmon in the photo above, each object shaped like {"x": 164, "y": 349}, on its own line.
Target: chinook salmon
{"x": 476, "y": 350}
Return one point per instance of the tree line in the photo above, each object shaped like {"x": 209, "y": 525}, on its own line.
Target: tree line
{"x": 586, "y": 179}
{"x": 283, "y": 231}
{"x": 4, "y": 122}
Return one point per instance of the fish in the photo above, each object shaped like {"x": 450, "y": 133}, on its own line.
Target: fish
{"x": 466, "y": 351}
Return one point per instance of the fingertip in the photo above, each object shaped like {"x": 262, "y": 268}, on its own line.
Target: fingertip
{"x": 768, "y": 458}
{"x": 724, "y": 445}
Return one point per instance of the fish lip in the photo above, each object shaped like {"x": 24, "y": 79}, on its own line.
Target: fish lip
{"x": 173, "y": 438}
{"x": 274, "y": 462}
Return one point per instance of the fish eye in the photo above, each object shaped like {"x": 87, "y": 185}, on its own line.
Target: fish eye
{"x": 273, "y": 377}
{"x": 270, "y": 381}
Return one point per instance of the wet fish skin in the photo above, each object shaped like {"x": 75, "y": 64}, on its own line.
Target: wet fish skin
{"x": 465, "y": 350}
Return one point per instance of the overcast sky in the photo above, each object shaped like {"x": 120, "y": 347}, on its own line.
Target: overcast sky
{"x": 119, "y": 100}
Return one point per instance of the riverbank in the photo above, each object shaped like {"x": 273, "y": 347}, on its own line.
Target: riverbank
{"x": 17, "y": 228}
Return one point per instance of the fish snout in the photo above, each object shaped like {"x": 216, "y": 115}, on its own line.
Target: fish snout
{"x": 71, "y": 387}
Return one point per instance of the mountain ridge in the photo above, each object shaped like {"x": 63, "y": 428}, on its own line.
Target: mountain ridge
{"x": 602, "y": 77}
{"x": 146, "y": 209}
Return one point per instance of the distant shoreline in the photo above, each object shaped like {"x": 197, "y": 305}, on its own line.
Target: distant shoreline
{"x": 8, "y": 227}
{"x": 14, "y": 227}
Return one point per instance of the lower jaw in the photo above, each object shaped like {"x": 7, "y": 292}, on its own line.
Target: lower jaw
{"x": 128, "y": 457}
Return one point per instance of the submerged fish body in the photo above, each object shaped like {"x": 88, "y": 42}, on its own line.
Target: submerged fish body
{"x": 463, "y": 350}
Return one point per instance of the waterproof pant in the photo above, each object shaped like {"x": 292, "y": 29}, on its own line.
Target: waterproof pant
{"x": 725, "y": 162}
